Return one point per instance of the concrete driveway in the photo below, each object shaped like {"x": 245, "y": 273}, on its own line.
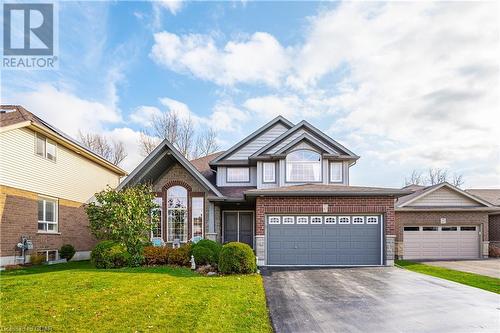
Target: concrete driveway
{"x": 488, "y": 267}
{"x": 378, "y": 299}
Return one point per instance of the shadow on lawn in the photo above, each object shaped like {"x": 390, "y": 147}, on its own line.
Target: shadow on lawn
{"x": 86, "y": 266}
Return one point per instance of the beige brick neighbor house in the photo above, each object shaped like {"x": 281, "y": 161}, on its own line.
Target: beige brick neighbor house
{"x": 45, "y": 178}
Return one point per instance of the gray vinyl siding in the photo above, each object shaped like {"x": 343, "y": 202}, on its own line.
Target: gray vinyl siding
{"x": 222, "y": 179}
{"x": 260, "y": 183}
{"x": 258, "y": 142}
{"x": 295, "y": 136}
{"x": 444, "y": 197}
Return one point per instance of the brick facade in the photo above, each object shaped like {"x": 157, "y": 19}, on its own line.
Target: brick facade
{"x": 19, "y": 217}
{"x": 178, "y": 175}
{"x": 310, "y": 205}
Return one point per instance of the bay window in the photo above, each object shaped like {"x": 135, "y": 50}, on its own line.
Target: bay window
{"x": 303, "y": 166}
{"x": 47, "y": 215}
{"x": 177, "y": 224}
{"x": 197, "y": 216}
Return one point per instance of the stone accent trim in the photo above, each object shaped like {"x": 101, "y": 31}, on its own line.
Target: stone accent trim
{"x": 260, "y": 250}
{"x": 390, "y": 249}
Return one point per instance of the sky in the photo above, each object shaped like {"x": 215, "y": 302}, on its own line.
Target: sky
{"x": 404, "y": 85}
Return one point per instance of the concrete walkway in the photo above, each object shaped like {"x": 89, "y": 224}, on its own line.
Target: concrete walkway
{"x": 385, "y": 299}
{"x": 488, "y": 267}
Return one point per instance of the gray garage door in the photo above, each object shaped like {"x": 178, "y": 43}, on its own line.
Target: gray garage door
{"x": 324, "y": 240}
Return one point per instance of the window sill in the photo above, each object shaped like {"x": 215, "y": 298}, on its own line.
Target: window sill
{"x": 48, "y": 233}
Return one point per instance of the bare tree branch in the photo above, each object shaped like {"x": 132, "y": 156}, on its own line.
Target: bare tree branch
{"x": 206, "y": 144}
{"x": 434, "y": 176}
{"x": 185, "y": 136}
{"x": 147, "y": 143}
{"x": 414, "y": 179}
{"x": 112, "y": 151}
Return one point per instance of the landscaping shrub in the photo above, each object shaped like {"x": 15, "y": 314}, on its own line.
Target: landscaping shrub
{"x": 180, "y": 256}
{"x": 109, "y": 254}
{"x": 67, "y": 252}
{"x": 37, "y": 259}
{"x": 237, "y": 257}
{"x": 156, "y": 255}
{"x": 203, "y": 255}
{"x": 214, "y": 246}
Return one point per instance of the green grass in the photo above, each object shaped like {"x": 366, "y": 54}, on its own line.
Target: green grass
{"x": 470, "y": 279}
{"x": 76, "y": 297}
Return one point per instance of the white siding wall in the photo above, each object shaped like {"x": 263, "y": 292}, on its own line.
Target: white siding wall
{"x": 258, "y": 142}
{"x": 444, "y": 197}
{"x": 295, "y": 136}
{"x": 221, "y": 177}
{"x": 71, "y": 177}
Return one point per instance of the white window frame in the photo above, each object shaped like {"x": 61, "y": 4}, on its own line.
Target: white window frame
{"x": 288, "y": 167}
{"x": 273, "y": 179}
{"x": 170, "y": 238}
{"x": 344, "y": 217}
{"x": 234, "y": 179}
{"x": 332, "y": 178}
{"x": 44, "y": 221}
{"x": 315, "y": 218}
{"x": 299, "y": 218}
{"x": 354, "y": 218}
{"x": 274, "y": 220}
{"x": 286, "y": 220}
{"x": 46, "y": 254}
{"x": 47, "y": 141}
{"x": 368, "y": 218}
{"x": 202, "y": 216}
{"x": 332, "y": 218}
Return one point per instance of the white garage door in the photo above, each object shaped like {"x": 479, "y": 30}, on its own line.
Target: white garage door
{"x": 446, "y": 242}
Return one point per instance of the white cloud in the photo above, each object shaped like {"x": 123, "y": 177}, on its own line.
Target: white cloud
{"x": 257, "y": 59}
{"x": 174, "y": 6}
{"x": 130, "y": 139}
{"x": 143, "y": 115}
{"x": 67, "y": 111}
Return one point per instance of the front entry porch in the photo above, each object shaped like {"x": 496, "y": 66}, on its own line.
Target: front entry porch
{"x": 238, "y": 226}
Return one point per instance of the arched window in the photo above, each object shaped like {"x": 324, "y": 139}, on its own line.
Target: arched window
{"x": 177, "y": 216}
{"x": 303, "y": 166}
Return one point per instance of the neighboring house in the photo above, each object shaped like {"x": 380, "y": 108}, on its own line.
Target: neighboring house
{"x": 45, "y": 178}
{"x": 284, "y": 190}
{"x": 442, "y": 222}
{"x": 493, "y": 197}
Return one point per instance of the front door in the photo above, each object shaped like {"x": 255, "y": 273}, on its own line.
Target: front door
{"x": 239, "y": 227}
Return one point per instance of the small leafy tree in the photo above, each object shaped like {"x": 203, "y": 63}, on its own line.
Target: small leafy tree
{"x": 123, "y": 216}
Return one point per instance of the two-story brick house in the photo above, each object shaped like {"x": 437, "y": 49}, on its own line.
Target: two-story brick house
{"x": 284, "y": 190}
{"x": 45, "y": 179}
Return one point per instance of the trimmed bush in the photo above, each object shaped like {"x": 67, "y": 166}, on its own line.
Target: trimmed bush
{"x": 180, "y": 256}
{"x": 109, "y": 254}
{"x": 37, "y": 259}
{"x": 237, "y": 258}
{"x": 214, "y": 246}
{"x": 156, "y": 255}
{"x": 203, "y": 255}
{"x": 67, "y": 252}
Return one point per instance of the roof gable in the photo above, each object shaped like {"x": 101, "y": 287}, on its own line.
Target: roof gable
{"x": 306, "y": 141}
{"x": 441, "y": 195}
{"x": 314, "y": 134}
{"x": 155, "y": 164}
{"x": 246, "y": 147}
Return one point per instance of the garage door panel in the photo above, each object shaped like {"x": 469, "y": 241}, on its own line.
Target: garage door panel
{"x": 441, "y": 244}
{"x": 324, "y": 244}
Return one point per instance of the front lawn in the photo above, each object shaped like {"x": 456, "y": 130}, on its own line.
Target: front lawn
{"x": 78, "y": 297}
{"x": 470, "y": 279}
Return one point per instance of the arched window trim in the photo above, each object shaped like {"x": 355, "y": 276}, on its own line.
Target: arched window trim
{"x": 305, "y": 170}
